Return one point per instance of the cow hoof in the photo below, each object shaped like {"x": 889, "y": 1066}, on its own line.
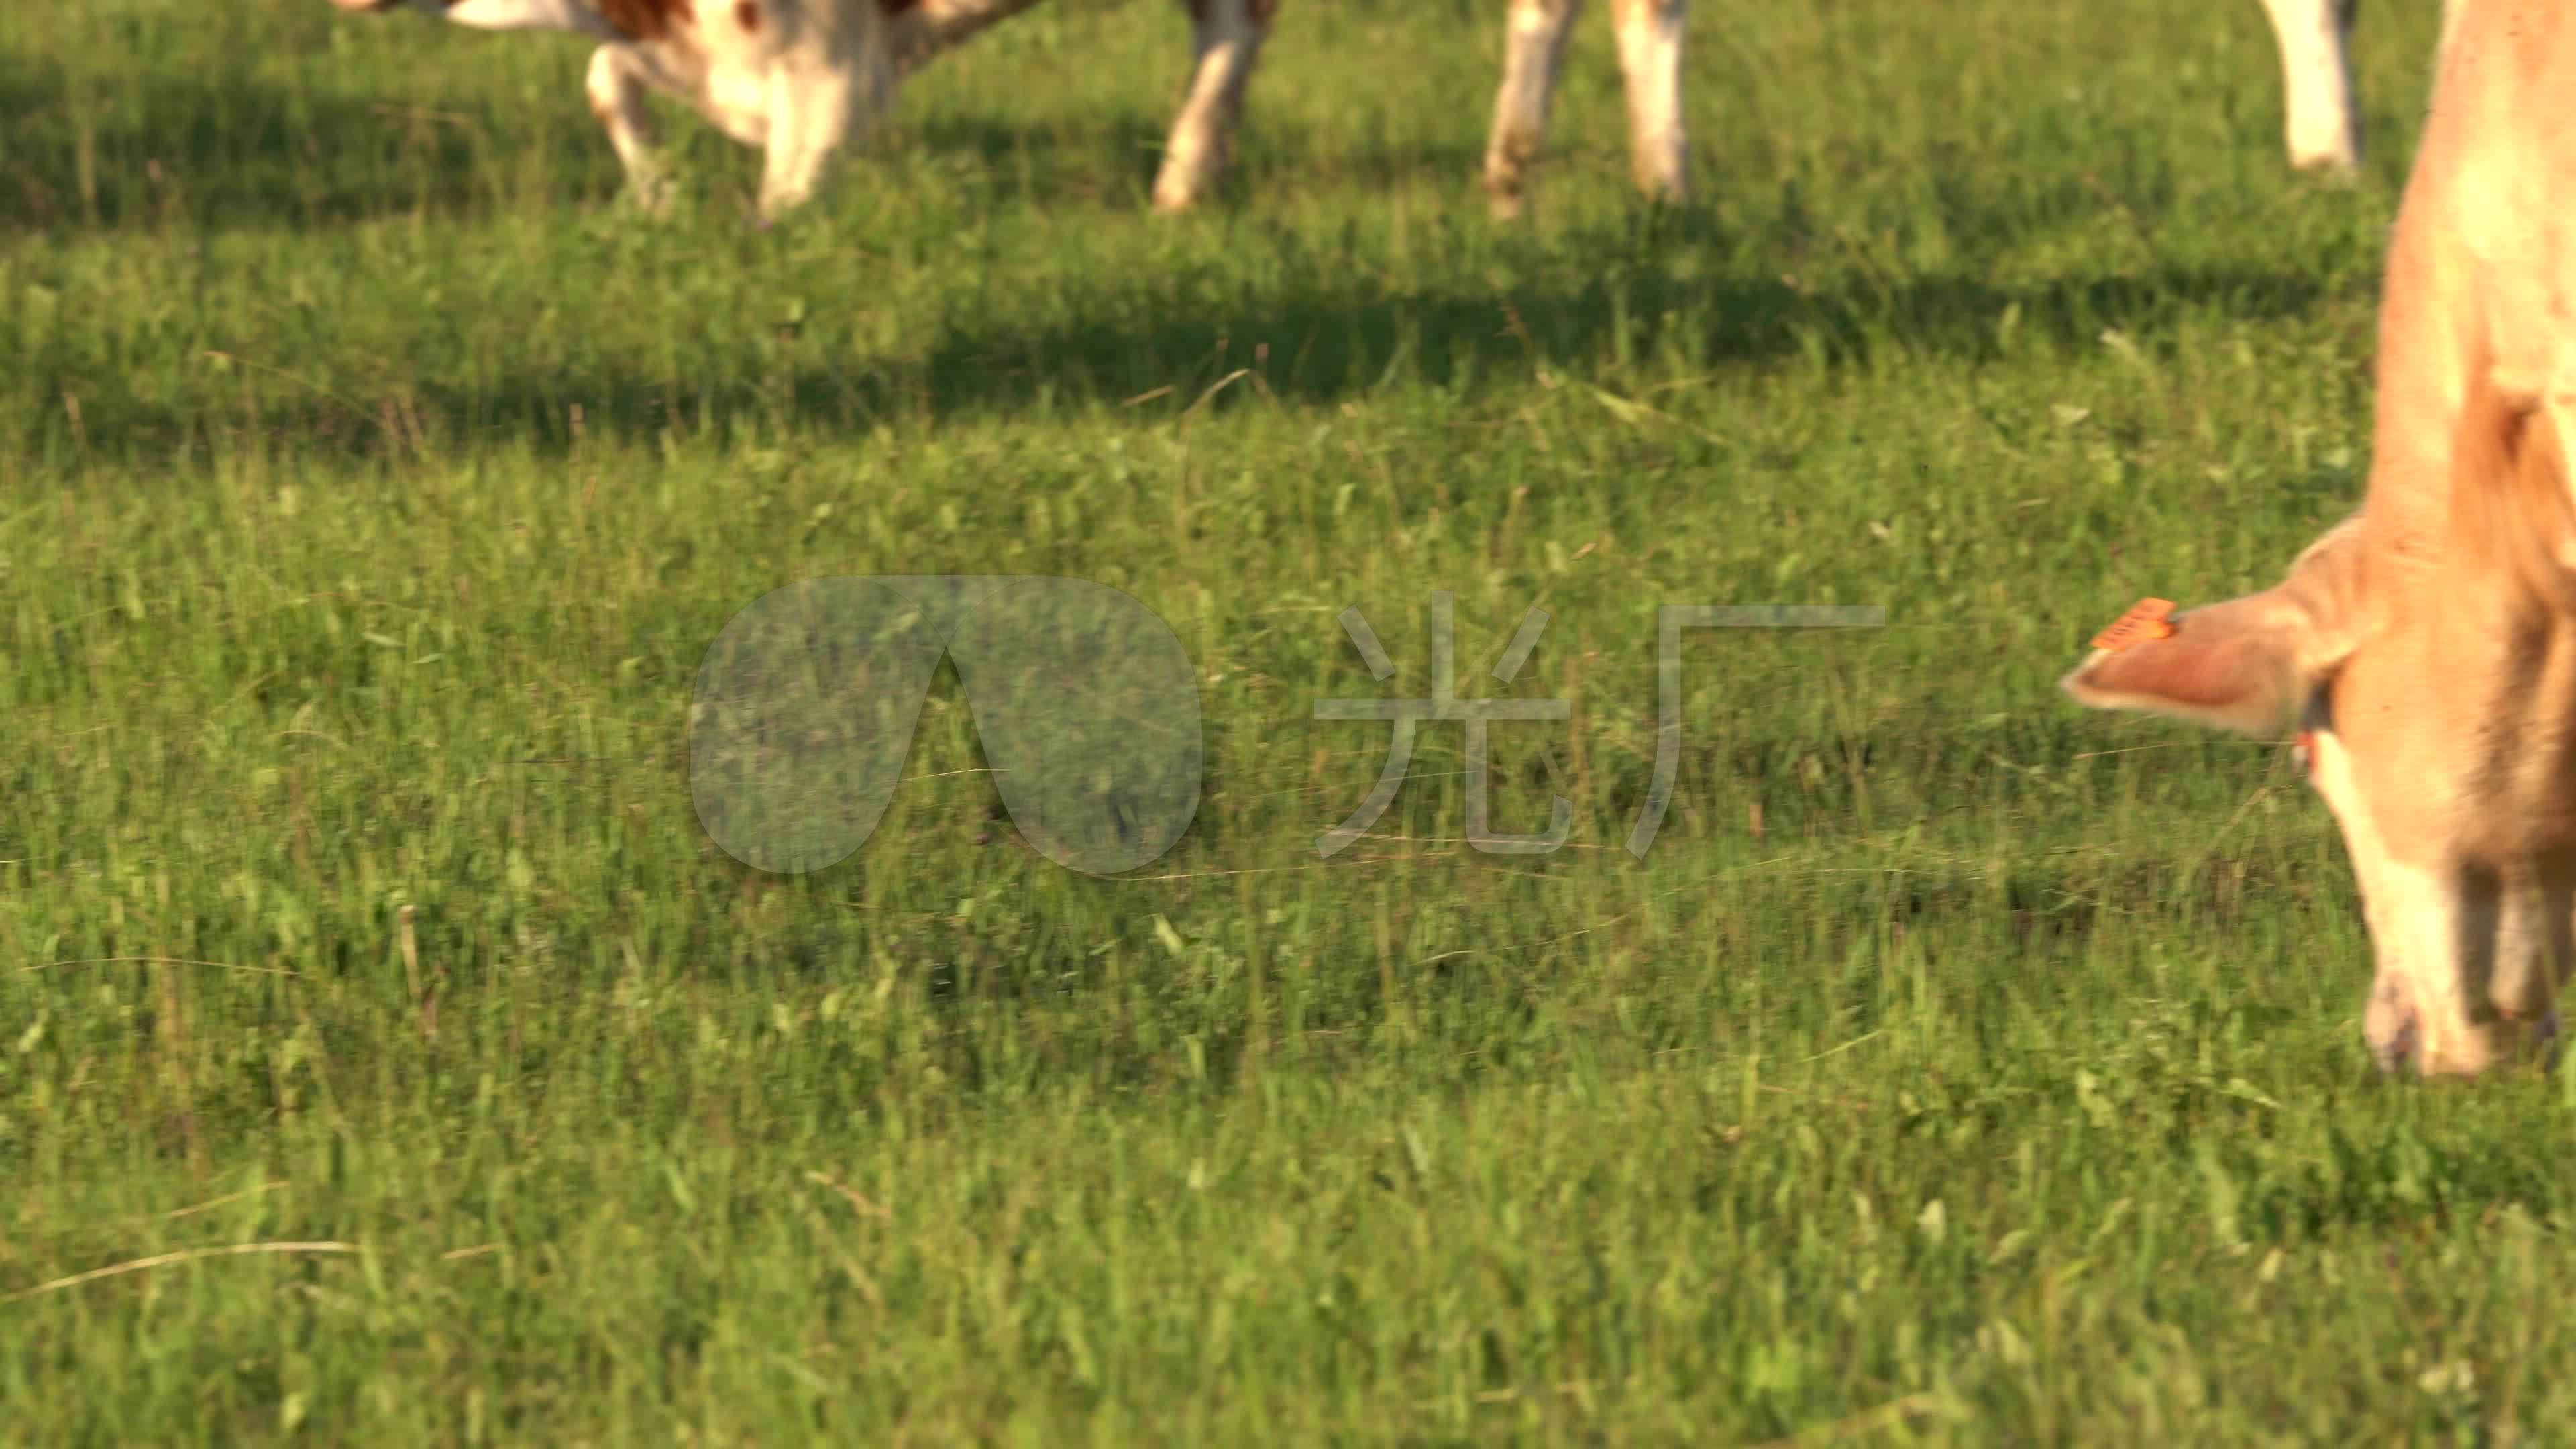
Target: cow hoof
{"x": 2331, "y": 167}
{"x": 2389, "y": 1024}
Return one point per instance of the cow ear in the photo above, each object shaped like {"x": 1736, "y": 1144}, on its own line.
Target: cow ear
{"x": 2243, "y": 665}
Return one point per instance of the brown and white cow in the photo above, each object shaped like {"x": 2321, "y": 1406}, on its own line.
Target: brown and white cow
{"x": 2425, "y": 648}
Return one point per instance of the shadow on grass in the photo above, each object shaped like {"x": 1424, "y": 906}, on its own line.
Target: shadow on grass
{"x": 219, "y": 150}
{"x": 1317, "y": 341}
{"x": 1055, "y": 165}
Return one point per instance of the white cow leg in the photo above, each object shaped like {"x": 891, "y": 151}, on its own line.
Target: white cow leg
{"x": 812, "y": 115}
{"x": 1229, "y": 35}
{"x": 1650, "y": 54}
{"x": 617, "y": 84}
{"x": 1534, "y": 45}
{"x": 2323, "y": 125}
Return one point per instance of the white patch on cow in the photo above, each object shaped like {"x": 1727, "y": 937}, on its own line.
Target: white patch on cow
{"x": 1650, "y": 56}
{"x": 2322, "y": 124}
{"x": 571, "y": 15}
{"x": 1229, "y": 36}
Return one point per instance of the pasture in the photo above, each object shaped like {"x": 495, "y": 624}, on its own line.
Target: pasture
{"x": 1956, "y": 1067}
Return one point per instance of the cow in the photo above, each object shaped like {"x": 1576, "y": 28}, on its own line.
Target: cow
{"x": 2424, "y": 648}
{"x": 801, "y": 78}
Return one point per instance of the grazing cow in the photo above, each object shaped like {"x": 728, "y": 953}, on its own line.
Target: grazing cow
{"x": 799, "y": 78}
{"x": 2425, "y": 648}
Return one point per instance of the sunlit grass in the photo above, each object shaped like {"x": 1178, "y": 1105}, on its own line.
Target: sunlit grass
{"x": 371, "y": 485}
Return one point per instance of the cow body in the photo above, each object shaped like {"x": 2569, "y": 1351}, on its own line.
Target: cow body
{"x": 2425, "y": 648}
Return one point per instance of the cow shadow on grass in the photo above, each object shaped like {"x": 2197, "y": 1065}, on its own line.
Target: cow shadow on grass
{"x": 1090, "y": 160}
{"x": 1113, "y": 160}
{"x": 1334, "y": 343}
{"x": 1316, "y": 344}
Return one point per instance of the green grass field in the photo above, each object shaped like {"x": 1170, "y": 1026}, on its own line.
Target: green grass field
{"x": 1957, "y": 1067}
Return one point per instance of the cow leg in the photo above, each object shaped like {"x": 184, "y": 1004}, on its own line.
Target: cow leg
{"x": 1533, "y": 46}
{"x": 813, "y": 113}
{"x": 1650, "y": 55}
{"x": 1229, "y": 35}
{"x": 2322, "y": 123}
{"x": 2535, "y": 946}
{"x": 617, "y": 82}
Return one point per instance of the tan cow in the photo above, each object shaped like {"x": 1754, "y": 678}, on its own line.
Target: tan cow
{"x": 2425, "y": 648}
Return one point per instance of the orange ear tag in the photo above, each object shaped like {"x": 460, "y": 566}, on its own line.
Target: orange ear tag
{"x": 2146, "y": 619}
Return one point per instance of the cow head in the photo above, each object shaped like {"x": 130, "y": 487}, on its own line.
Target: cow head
{"x": 2430, "y": 675}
